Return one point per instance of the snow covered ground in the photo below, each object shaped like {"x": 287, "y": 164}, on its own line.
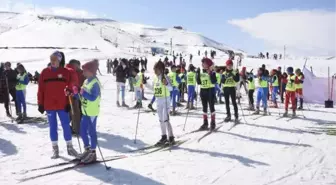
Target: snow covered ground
{"x": 267, "y": 150}
{"x": 263, "y": 151}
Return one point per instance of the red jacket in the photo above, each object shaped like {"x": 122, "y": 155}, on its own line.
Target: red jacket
{"x": 51, "y": 85}
{"x": 73, "y": 76}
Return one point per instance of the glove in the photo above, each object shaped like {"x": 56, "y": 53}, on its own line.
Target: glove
{"x": 75, "y": 90}
{"x": 41, "y": 109}
{"x": 67, "y": 91}
{"x": 67, "y": 108}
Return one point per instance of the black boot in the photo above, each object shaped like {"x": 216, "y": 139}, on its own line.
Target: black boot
{"x": 301, "y": 104}
{"x": 151, "y": 107}
{"x": 124, "y": 104}
{"x": 212, "y": 124}
{"x": 171, "y": 140}
{"x": 162, "y": 141}
{"x": 228, "y": 118}
{"x": 205, "y": 125}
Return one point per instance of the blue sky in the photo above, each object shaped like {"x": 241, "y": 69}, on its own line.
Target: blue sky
{"x": 208, "y": 17}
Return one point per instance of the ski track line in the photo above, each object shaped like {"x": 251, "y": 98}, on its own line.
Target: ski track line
{"x": 295, "y": 172}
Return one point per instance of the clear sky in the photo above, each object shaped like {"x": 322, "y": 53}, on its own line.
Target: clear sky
{"x": 209, "y": 17}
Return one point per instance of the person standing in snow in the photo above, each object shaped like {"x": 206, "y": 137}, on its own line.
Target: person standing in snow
{"x": 299, "y": 87}
{"x": 137, "y": 87}
{"x": 75, "y": 114}
{"x": 162, "y": 88}
{"x": 22, "y": 82}
{"x": 11, "y": 80}
{"x": 230, "y": 78}
{"x": 284, "y": 81}
{"x": 262, "y": 91}
{"x": 275, "y": 87}
{"x": 175, "y": 81}
{"x": 207, "y": 81}
{"x": 90, "y": 97}
{"x": 121, "y": 75}
{"x": 53, "y": 80}
{"x": 251, "y": 89}
{"x": 191, "y": 82}
{"x": 290, "y": 91}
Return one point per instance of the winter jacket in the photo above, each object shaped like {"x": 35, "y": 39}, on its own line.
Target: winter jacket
{"x": 51, "y": 87}
{"x": 4, "y": 96}
{"x": 11, "y": 76}
{"x": 121, "y": 74}
{"x": 73, "y": 76}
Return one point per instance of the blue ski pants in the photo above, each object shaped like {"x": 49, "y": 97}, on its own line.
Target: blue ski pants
{"x": 21, "y": 101}
{"x": 89, "y": 128}
{"x": 65, "y": 122}
{"x": 174, "y": 95}
{"x": 274, "y": 93}
{"x": 262, "y": 96}
{"x": 191, "y": 93}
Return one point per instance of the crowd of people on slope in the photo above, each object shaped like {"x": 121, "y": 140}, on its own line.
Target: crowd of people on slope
{"x": 73, "y": 94}
{"x": 268, "y": 56}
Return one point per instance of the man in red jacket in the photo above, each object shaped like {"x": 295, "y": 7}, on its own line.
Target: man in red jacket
{"x": 51, "y": 98}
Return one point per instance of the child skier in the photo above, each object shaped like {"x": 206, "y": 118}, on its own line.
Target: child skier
{"x": 251, "y": 88}
{"x": 290, "y": 92}
{"x": 137, "y": 87}
{"x": 191, "y": 82}
{"x": 230, "y": 79}
{"x": 23, "y": 81}
{"x": 299, "y": 87}
{"x": 90, "y": 96}
{"x": 162, "y": 88}
{"x": 207, "y": 81}
{"x": 262, "y": 91}
{"x": 284, "y": 80}
{"x": 175, "y": 80}
{"x": 275, "y": 87}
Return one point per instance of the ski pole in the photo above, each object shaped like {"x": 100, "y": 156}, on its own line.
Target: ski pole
{"x": 9, "y": 103}
{"x": 72, "y": 116}
{"x": 185, "y": 122}
{"x": 101, "y": 154}
{"x": 137, "y": 125}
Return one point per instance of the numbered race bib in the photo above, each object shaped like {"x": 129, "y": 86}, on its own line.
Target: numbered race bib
{"x": 230, "y": 81}
{"x": 158, "y": 91}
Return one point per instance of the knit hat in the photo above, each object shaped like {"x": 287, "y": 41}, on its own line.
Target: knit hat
{"x": 298, "y": 70}
{"x": 207, "y": 61}
{"x": 290, "y": 70}
{"x": 58, "y": 55}
{"x": 229, "y": 63}
{"x": 91, "y": 66}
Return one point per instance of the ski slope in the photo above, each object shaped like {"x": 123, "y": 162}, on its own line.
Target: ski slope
{"x": 262, "y": 151}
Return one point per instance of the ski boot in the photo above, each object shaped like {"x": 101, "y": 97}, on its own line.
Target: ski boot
{"x": 85, "y": 153}
{"x": 173, "y": 112}
{"x": 162, "y": 141}
{"x": 150, "y": 106}
{"x": 228, "y": 118}
{"x": 251, "y": 107}
{"x": 285, "y": 114}
{"x": 236, "y": 121}
{"x": 212, "y": 124}
{"x": 205, "y": 125}
{"x": 178, "y": 104}
{"x": 171, "y": 140}
{"x": 24, "y": 115}
{"x": 256, "y": 112}
{"x": 144, "y": 98}
{"x": 124, "y": 105}
{"x": 91, "y": 157}
{"x": 118, "y": 104}
{"x": 221, "y": 101}
{"x": 192, "y": 107}
{"x": 265, "y": 112}
{"x": 188, "y": 106}
{"x": 301, "y": 104}
{"x": 71, "y": 151}
{"x": 294, "y": 113}
{"x": 19, "y": 118}
{"x": 138, "y": 105}
{"x": 55, "y": 152}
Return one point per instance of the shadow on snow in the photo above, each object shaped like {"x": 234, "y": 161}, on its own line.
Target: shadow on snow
{"x": 245, "y": 161}
{"x": 7, "y": 147}
{"x": 118, "y": 143}
{"x": 117, "y": 176}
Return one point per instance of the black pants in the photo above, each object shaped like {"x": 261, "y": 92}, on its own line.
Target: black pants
{"x": 230, "y": 91}
{"x": 250, "y": 95}
{"x": 208, "y": 98}
{"x": 182, "y": 87}
{"x": 12, "y": 92}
